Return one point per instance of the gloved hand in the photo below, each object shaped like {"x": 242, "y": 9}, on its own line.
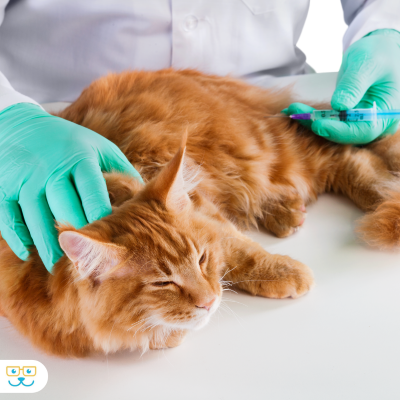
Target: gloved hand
{"x": 369, "y": 72}
{"x": 50, "y": 169}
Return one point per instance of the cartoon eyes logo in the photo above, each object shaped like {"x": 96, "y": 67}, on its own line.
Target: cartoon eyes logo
{"x": 25, "y": 371}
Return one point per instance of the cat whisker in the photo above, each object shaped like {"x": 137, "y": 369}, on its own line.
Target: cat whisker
{"x": 230, "y": 290}
{"x": 109, "y": 340}
{"x": 230, "y": 270}
{"x": 256, "y": 280}
{"x": 150, "y": 327}
{"x": 228, "y": 309}
{"x": 233, "y": 301}
{"x": 144, "y": 265}
{"x": 163, "y": 351}
{"x": 226, "y": 283}
{"x": 137, "y": 323}
{"x": 201, "y": 230}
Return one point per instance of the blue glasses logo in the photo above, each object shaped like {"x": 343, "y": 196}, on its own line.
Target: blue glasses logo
{"x": 15, "y": 373}
{"x": 22, "y": 376}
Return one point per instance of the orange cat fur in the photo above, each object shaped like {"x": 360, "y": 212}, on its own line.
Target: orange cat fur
{"x": 156, "y": 267}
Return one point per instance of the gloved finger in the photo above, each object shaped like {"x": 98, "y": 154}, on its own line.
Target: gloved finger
{"x": 92, "y": 189}
{"x": 112, "y": 159}
{"x": 41, "y": 224}
{"x": 14, "y": 230}
{"x": 64, "y": 201}
{"x": 347, "y": 132}
{"x": 299, "y": 108}
{"x": 354, "y": 81}
{"x": 392, "y": 126}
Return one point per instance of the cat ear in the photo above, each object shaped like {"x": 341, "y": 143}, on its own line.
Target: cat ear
{"x": 169, "y": 186}
{"x": 91, "y": 257}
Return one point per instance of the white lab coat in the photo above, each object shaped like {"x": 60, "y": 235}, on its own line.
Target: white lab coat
{"x": 50, "y": 50}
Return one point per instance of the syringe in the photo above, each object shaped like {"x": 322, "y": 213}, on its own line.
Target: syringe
{"x": 355, "y": 115}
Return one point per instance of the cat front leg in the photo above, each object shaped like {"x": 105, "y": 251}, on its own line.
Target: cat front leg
{"x": 251, "y": 268}
{"x": 163, "y": 340}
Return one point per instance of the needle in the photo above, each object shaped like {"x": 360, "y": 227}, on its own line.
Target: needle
{"x": 276, "y": 116}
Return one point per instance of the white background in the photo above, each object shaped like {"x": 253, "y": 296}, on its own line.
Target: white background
{"x": 321, "y": 39}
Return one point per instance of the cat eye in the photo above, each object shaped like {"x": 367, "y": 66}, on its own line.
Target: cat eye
{"x": 202, "y": 258}
{"x": 161, "y": 284}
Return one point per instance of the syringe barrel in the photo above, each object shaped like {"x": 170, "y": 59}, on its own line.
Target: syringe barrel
{"x": 325, "y": 114}
{"x": 361, "y": 114}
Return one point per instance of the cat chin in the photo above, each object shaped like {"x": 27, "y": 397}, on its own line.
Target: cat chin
{"x": 193, "y": 325}
{"x": 202, "y": 323}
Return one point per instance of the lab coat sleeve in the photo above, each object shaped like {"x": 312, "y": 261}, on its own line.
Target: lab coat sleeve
{"x": 9, "y": 96}
{"x": 365, "y": 16}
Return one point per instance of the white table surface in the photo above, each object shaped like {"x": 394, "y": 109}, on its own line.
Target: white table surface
{"x": 340, "y": 341}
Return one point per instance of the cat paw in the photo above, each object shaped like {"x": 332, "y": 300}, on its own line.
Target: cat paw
{"x": 174, "y": 339}
{"x": 285, "y": 218}
{"x": 283, "y": 277}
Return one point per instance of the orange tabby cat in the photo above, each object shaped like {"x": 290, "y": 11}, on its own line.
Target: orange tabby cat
{"x": 156, "y": 267}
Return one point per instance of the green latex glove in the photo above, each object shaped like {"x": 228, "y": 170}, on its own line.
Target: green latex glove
{"x": 50, "y": 169}
{"x": 369, "y": 72}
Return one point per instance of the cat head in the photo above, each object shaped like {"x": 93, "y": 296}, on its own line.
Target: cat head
{"x": 155, "y": 262}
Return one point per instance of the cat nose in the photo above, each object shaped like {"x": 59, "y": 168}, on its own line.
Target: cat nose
{"x": 21, "y": 379}
{"x": 208, "y": 305}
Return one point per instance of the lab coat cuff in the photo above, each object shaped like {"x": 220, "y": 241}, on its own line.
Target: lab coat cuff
{"x": 383, "y": 14}
{"x": 368, "y": 29}
{"x": 9, "y": 97}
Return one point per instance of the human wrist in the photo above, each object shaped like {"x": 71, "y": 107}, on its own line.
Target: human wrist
{"x": 12, "y": 117}
{"x": 24, "y": 110}
{"x": 385, "y": 32}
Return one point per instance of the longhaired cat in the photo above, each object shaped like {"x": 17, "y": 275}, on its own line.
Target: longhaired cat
{"x": 156, "y": 267}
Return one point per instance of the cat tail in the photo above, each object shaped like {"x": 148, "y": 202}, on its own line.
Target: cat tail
{"x": 381, "y": 227}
